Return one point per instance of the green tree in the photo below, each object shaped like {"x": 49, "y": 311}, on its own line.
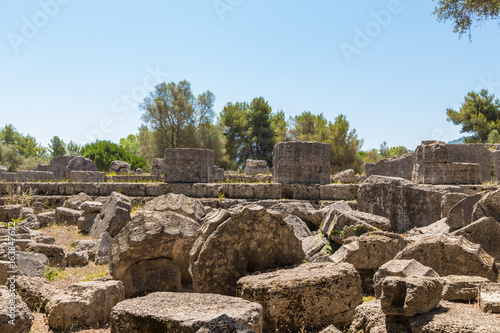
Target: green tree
{"x": 248, "y": 131}
{"x": 344, "y": 142}
{"x": 57, "y": 147}
{"x": 131, "y": 144}
{"x": 104, "y": 152}
{"x": 478, "y": 115}
{"x": 494, "y": 137}
{"x": 172, "y": 110}
{"x": 280, "y": 126}
{"x": 467, "y": 13}
{"x": 9, "y": 156}
{"x": 73, "y": 148}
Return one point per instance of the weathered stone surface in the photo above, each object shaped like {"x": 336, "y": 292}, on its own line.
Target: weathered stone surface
{"x": 67, "y": 215}
{"x": 4, "y": 168}
{"x": 10, "y": 212}
{"x": 461, "y": 288}
{"x": 300, "y": 228}
{"x": 54, "y": 253}
{"x": 485, "y": 232}
{"x": 451, "y": 255}
{"x": 114, "y": 215}
{"x": 159, "y": 240}
{"x": 119, "y": 167}
{"x": 218, "y": 174}
{"x": 31, "y": 222}
{"x": 187, "y": 165}
{"x": 86, "y": 176}
{"x": 489, "y": 297}
{"x": 370, "y": 251}
{"x": 401, "y": 167}
{"x": 58, "y": 166}
{"x": 76, "y": 201}
{"x": 314, "y": 247}
{"x": 255, "y": 167}
{"x": 84, "y": 304}
{"x": 301, "y": 162}
{"x": 342, "y": 222}
{"x": 400, "y": 268}
{"x": 80, "y": 163}
{"x": 86, "y": 245}
{"x": 31, "y": 264}
{"x": 77, "y": 259}
{"x": 102, "y": 249}
{"x": 405, "y": 204}
{"x": 14, "y": 319}
{"x": 461, "y": 213}
{"x": 157, "y": 167}
{"x": 35, "y": 291}
{"x": 240, "y": 240}
{"x": 46, "y": 218}
{"x": 303, "y": 210}
{"x": 35, "y": 176}
{"x": 292, "y": 298}
{"x": 409, "y": 296}
{"x": 450, "y": 200}
{"x": 344, "y": 177}
{"x": 182, "y": 312}
{"x": 449, "y": 317}
{"x": 487, "y": 206}
{"x": 223, "y": 324}
{"x": 177, "y": 203}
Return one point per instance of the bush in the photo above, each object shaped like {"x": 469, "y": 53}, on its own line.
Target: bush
{"x": 104, "y": 152}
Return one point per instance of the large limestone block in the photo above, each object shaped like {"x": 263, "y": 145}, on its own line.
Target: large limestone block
{"x": 15, "y": 316}
{"x": 84, "y": 304}
{"x": 451, "y": 255}
{"x": 461, "y": 288}
{"x": 461, "y": 213}
{"x": 76, "y": 201}
{"x": 405, "y": 204}
{"x": 35, "y": 291}
{"x": 400, "y": 167}
{"x": 152, "y": 252}
{"x": 80, "y": 163}
{"x": 310, "y": 296}
{"x": 114, "y": 215}
{"x": 449, "y": 317}
{"x": 67, "y": 215}
{"x": 370, "y": 251}
{"x": 401, "y": 268}
{"x": 178, "y": 203}
{"x": 301, "y": 162}
{"x": 303, "y": 210}
{"x": 182, "y": 312}
{"x": 342, "y": 222}
{"x": 255, "y": 167}
{"x": 188, "y": 165}
{"x": 54, "y": 253}
{"x": 489, "y": 297}
{"x": 237, "y": 241}
{"x": 487, "y": 206}
{"x": 410, "y": 296}
{"x": 31, "y": 264}
{"x": 450, "y": 200}
{"x": 485, "y": 232}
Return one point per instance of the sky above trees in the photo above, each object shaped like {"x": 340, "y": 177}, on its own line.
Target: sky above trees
{"x": 79, "y": 70}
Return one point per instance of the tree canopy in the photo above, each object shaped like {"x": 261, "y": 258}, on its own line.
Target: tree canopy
{"x": 467, "y": 13}
{"x": 479, "y": 115}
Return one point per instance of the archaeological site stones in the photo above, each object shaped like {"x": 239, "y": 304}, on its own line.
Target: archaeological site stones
{"x": 287, "y": 247}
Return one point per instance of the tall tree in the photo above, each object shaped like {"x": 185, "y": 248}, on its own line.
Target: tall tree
{"x": 478, "y": 115}
{"x": 173, "y": 111}
{"x": 57, "y": 147}
{"x": 234, "y": 121}
{"x": 280, "y": 126}
{"x": 262, "y": 135}
{"x": 466, "y": 13}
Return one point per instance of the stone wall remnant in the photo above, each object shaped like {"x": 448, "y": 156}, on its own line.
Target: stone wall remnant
{"x": 188, "y": 165}
{"x": 301, "y": 162}
{"x": 255, "y": 167}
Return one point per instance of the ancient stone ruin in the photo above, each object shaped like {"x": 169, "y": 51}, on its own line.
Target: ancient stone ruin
{"x": 255, "y": 167}
{"x": 301, "y": 163}
{"x": 194, "y": 252}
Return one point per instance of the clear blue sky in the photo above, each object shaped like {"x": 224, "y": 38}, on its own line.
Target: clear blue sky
{"x": 82, "y": 71}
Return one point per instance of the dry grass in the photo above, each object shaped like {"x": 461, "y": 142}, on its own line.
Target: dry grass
{"x": 41, "y": 325}
{"x": 64, "y": 235}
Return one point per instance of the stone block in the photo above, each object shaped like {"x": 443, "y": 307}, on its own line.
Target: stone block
{"x": 35, "y": 176}
{"x": 187, "y": 165}
{"x": 461, "y": 287}
{"x": 86, "y": 176}
{"x": 489, "y": 297}
{"x": 301, "y": 162}
{"x": 255, "y": 167}
{"x": 400, "y": 167}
